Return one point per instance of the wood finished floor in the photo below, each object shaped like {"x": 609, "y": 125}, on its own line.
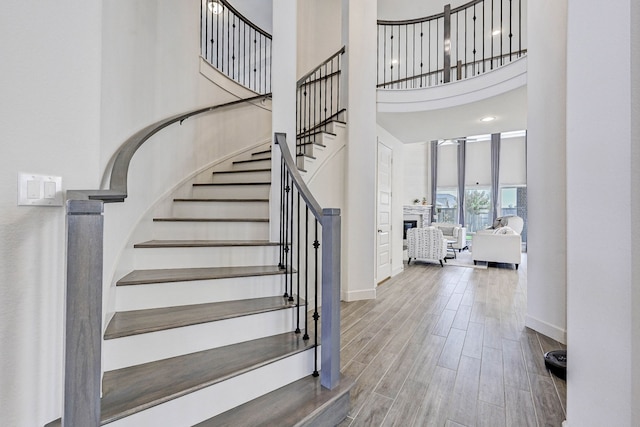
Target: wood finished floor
{"x": 448, "y": 347}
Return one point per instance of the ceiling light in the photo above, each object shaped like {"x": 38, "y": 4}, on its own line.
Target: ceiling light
{"x": 394, "y": 61}
{"x": 496, "y": 32}
{"x": 214, "y": 7}
{"x": 487, "y": 119}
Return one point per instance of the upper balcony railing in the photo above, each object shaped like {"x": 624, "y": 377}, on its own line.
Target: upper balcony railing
{"x": 235, "y": 46}
{"x": 459, "y": 43}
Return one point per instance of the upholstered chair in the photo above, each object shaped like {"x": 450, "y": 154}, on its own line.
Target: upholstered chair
{"x": 426, "y": 244}
{"x": 455, "y": 233}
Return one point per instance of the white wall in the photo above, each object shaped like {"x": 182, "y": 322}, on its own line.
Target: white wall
{"x": 415, "y": 176}
{"x": 319, "y": 32}
{"x": 401, "y": 162}
{"x": 600, "y": 140}
{"x": 50, "y": 109}
{"x": 546, "y": 169}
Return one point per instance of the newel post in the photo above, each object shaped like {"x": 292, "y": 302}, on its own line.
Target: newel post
{"x": 83, "y": 321}
{"x": 330, "y": 356}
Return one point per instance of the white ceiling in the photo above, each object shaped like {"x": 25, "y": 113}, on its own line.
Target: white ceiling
{"x": 509, "y": 109}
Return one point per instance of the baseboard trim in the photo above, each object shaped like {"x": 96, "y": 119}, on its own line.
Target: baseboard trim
{"x": 547, "y": 329}
{"x": 349, "y": 296}
{"x": 397, "y": 271}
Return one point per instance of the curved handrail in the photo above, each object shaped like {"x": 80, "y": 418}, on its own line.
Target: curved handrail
{"x": 117, "y": 191}
{"x": 427, "y": 18}
{"x": 305, "y": 193}
{"x": 245, "y": 19}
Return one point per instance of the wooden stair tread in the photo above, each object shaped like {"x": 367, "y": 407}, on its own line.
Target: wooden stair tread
{"x": 238, "y": 162}
{"x": 135, "y": 322}
{"x": 133, "y": 389}
{"x": 202, "y": 243}
{"x": 257, "y": 153}
{"x": 312, "y": 143}
{"x": 318, "y": 132}
{"x": 221, "y": 200}
{"x": 296, "y": 404}
{"x": 165, "y": 275}
{"x": 245, "y": 171}
{"x": 213, "y": 184}
{"x": 184, "y": 219}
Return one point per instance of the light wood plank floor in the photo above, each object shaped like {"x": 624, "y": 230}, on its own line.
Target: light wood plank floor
{"x": 448, "y": 347}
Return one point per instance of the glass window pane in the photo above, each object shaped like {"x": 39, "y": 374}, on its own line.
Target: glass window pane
{"x": 477, "y": 203}
{"x": 447, "y": 205}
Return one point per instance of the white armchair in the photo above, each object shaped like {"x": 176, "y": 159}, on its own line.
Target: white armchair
{"x": 502, "y": 244}
{"x": 427, "y": 244}
{"x": 453, "y": 232}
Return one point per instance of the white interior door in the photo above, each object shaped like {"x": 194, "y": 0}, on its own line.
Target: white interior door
{"x": 385, "y": 155}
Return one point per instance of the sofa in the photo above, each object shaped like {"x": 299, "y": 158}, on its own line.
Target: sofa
{"x": 453, "y": 232}
{"x": 426, "y": 244}
{"x": 500, "y": 243}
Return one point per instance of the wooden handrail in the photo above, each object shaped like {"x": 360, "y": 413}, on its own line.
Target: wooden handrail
{"x": 117, "y": 190}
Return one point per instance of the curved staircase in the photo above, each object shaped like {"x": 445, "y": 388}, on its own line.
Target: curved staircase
{"x": 202, "y": 333}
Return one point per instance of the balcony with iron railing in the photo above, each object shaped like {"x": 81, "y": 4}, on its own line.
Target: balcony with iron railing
{"x": 459, "y": 43}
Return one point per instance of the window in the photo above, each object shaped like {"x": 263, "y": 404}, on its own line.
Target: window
{"x": 477, "y": 202}
{"x": 447, "y": 205}
{"x": 513, "y": 201}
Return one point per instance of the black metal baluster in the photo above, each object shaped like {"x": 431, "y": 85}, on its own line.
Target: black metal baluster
{"x": 286, "y": 231}
{"x": 282, "y": 178}
{"x": 474, "y": 40}
{"x": 421, "y": 53}
{"x": 298, "y": 269}
{"x": 492, "y": 36}
{"x": 466, "y": 24}
{"x": 406, "y": 55}
{"x": 510, "y": 28}
{"x": 391, "y": 64}
{"x": 384, "y": 60}
{"x": 306, "y": 272}
{"x": 484, "y": 18}
{"x": 520, "y": 28}
{"x": 316, "y": 316}
{"x": 428, "y": 77}
{"x": 501, "y": 35}
{"x": 217, "y": 40}
{"x": 291, "y": 238}
{"x": 323, "y": 88}
{"x": 255, "y": 58}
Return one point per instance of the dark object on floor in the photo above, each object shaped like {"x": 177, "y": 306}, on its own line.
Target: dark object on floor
{"x": 556, "y": 362}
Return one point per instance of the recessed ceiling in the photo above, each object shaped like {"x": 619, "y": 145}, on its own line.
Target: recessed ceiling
{"x": 509, "y": 110}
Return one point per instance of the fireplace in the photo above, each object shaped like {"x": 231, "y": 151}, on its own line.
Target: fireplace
{"x": 407, "y": 225}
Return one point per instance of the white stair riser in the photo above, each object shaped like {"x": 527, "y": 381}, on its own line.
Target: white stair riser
{"x": 228, "y": 256}
{"x": 247, "y": 176}
{"x": 137, "y": 349}
{"x": 266, "y": 156}
{"x": 156, "y": 295}
{"x": 261, "y": 164}
{"x": 218, "y": 398}
{"x": 221, "y": 209}
{"x": 193, "y": 230}
{"x": 231, "y": 191}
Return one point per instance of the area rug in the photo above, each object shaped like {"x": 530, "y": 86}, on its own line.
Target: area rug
{"x": 463, "y": 259}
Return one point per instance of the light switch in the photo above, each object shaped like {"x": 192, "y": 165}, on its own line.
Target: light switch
{"x": 49, "y": 190}
{"x": 33, "y": 189}
{"x": 39, "y": 190}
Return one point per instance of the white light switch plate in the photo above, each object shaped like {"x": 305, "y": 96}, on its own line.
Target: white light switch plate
{"x": 39, "y": 190}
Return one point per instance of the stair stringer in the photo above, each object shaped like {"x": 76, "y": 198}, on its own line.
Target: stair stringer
{"x": 142, "y": 230}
